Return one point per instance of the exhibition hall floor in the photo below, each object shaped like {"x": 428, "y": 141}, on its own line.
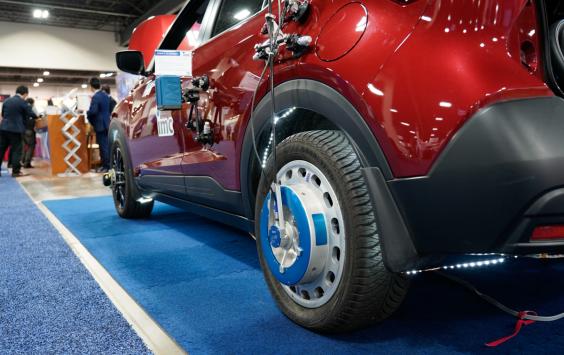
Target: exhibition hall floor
{"x": 201, "y": 283}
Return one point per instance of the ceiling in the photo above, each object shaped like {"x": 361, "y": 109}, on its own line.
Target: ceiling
{"x": 118, "y": 16}
{"x": 22, "y": 76}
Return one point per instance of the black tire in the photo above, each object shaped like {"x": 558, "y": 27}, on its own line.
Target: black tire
{"x": 126, "y": 200}
{"x": 367, "y": 292}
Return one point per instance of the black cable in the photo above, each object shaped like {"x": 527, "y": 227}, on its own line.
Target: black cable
{"x": 269, "y": 64}
{"x": 498, "y": 304}
{"x": 253, "y": 114}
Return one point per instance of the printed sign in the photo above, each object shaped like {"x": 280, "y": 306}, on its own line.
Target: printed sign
{"x": 165, "y": 124}
{"x": 176, "y": 63}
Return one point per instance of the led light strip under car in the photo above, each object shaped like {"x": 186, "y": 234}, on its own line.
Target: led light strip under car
{"x": 473, "y": 264}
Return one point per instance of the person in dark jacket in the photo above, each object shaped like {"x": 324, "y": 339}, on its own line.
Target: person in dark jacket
{"x": 99, "y": 117}
{"x": 15, "y": 112}
{"x": 113, "y": 102}
{"x": 29, "y": 137}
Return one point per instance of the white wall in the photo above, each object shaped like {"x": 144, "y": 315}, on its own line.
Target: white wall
{"x": 47, "y": 47}
{"x": 42, "y": 92}
{"x": 48, "y": 91}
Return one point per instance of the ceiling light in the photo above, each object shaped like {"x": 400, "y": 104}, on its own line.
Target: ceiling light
{"x": 40, "y": 80}
{"x": 38, "y": 13}
{"x": 35, "y": 85}
{"x": 102, "y": 75}
{"x": 46, "y": 73}
{"x": 84, "y": 86}
{"x": 241, "y": 15}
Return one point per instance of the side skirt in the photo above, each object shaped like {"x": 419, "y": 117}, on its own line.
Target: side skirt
{"x": 215, "y": 214}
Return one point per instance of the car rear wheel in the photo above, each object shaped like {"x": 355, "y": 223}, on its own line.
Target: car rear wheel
{"x": 324, "y": 266}
{"x": 127, "y": 198}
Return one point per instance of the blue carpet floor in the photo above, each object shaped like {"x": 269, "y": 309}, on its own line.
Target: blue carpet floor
{"x": 201, "y": 281}
{"x": 49, "y": 303}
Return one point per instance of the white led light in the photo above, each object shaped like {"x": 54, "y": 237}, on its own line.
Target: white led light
{"x": 46, "y": 73}
{"x": 84, "y": 86}
{"x": 40, "y": 80}
{"x": 35, "y": 85}
{"x": 463, "y": 265}
{"x": 144, "y": 200}
{"x": 37, "y": 13}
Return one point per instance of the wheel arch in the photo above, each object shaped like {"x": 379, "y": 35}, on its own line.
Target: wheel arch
{"x": 116, "y": 129}
{"x": 325, "y": 108}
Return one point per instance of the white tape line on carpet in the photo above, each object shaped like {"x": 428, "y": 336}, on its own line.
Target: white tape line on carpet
{"x": 156, "y": 339}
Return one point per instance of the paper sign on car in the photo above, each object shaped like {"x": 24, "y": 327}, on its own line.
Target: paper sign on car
{"x": 177, "y": 63}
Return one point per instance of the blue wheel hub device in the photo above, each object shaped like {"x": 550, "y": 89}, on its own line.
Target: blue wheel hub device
{"x": 297, "y": 251}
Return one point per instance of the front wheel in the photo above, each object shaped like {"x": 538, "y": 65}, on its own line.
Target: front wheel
{"x": 127, "y": 198}
{"x": 323, "y": 263}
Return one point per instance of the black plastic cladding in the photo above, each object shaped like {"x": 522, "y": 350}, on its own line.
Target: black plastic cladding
{"x": 503, "y": 160}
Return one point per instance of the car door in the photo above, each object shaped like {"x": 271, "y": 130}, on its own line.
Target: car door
{"x": 157, "y": 138}
{"x": 226, "y": 59}
{"x": 156, "y": 150}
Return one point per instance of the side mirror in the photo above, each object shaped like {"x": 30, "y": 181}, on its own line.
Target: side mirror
{"x": 131, "y": 62}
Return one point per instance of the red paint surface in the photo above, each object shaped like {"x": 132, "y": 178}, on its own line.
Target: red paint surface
{"x": 148, "y": 35}
{"x": 342, "y": 32}
{"x": 418, "y": 73}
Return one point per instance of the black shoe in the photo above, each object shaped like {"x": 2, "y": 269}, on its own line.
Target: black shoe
{"x": 19, "y": 174}
{"x": 28, "y": 166}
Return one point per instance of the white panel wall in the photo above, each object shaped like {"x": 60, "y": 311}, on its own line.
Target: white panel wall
{"x": 46, "y": 92}
{"x": 37, "y": 46}
{"x": 43, "y": 92}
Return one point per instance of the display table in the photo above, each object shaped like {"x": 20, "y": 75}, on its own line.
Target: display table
{"x": 68, "y": 145}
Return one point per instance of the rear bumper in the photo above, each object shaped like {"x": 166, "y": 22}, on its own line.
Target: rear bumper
{"x": 500, "y": 177}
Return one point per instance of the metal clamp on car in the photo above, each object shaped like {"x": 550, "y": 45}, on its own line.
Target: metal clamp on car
{"x": 295, "y": 43}
{"x": 298, "y": 10}
{"x": 202, "y": 127}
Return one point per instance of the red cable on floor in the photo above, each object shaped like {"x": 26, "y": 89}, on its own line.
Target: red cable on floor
{"x": 524, "y": 317}
{"x": 520, "y": 324}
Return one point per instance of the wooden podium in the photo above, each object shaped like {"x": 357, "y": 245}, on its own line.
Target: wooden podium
{"x": 57, "y": 139}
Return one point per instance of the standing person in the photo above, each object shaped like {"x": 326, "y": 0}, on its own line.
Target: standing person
{"x": 99, "y": 117}
{"x": 113, "y": 102}
{"x": 29, "y": 137}
{"x": 16, "y": 111}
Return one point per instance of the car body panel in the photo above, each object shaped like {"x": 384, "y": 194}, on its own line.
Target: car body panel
{"x": 412, "y": 75}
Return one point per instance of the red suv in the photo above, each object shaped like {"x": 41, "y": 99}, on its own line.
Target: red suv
{"x": 406, "y": 132}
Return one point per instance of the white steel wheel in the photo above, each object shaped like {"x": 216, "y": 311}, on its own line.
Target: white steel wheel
{"x": 318, "y": 198}
{"x": 322, "y": 260}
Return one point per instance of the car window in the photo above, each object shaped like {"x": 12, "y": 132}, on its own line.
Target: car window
{"x": 232, "y": 12}
{"x": 191, "y": 41}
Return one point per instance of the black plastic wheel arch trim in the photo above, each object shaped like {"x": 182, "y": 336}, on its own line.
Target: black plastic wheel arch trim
{"x": 324, "y": 100}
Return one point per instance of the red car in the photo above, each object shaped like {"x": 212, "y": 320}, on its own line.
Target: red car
{"x": 406, "y": 132}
